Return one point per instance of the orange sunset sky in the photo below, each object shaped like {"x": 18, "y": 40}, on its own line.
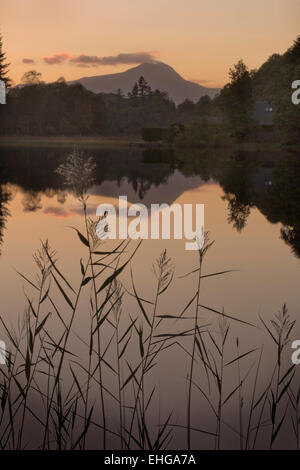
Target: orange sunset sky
{"x": 201, "y": 39}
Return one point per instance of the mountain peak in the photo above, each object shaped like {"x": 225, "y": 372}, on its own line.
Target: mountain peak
{"x": 159, "y": 76}
{"x": 157, "y": 66}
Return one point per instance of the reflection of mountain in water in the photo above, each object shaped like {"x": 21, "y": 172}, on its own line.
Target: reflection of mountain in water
{"x": 118, "y": 172}
{"x": 33, "y": 170}
{"x": 270, "y": 183}
{"x": 165, "y": 192}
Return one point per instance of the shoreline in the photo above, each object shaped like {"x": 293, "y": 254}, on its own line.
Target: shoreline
{"x": 69, "y": 141}
{"x": 129, "y": 141}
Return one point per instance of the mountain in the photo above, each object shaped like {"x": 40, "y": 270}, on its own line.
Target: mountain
{"x": 157, "y": 74}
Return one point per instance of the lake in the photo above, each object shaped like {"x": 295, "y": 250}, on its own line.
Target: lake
{"x": 252, "y": 212}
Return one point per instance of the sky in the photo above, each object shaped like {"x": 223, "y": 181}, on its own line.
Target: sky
{"x": 200, "y": 39}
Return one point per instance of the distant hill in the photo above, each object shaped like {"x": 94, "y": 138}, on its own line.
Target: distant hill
{"x": 158, "y": 75}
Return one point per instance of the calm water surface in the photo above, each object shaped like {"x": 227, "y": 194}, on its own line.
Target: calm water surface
{"x": 252, "y": 211}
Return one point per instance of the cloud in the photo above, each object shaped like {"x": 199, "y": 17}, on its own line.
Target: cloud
{"x": 58, "y": 58}
{"x": 84, "y": 60}
{"x": 199, "y": 81}
{"x": 28, "y": 61}
{"x": 126, "y": 58}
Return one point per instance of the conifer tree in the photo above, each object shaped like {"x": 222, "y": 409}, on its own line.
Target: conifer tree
{"x": 295, "y": 49}
{"x": 4, "y": 66}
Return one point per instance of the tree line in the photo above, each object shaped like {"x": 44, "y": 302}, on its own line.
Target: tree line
{"x": 38, "y": 108}
{"x": 229, "y": 116}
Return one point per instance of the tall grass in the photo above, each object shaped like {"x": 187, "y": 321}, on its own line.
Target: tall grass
{"x": 67, "y": 388}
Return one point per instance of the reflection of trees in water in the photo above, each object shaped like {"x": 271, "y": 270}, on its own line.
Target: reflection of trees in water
{"x": 237, "y": 183}
{"x": 242, "y": 176}
{"x": 282, "y": 202}
{"x": 238, "y": 212}
{"x": 36, "y": 175}
{"x": 5, "y": 197}
{"x": 141, "y": 187}
{"x": 32, "y": 201}
{"x": 61, "y": 196}
{"x": 291, "y": 236}
{"x": 278, "y": 201}
{"x": 269, "y": 182}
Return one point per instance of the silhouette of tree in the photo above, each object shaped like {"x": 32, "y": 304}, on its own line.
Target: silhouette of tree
{"x": 294, "y": 51}
{"x": 134, "y": 92}
{"x": 144, "y": 88}
{"x": 32, "y": 77}
{"x": 4, "y": 66}
{"x": 236, "y": 98}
